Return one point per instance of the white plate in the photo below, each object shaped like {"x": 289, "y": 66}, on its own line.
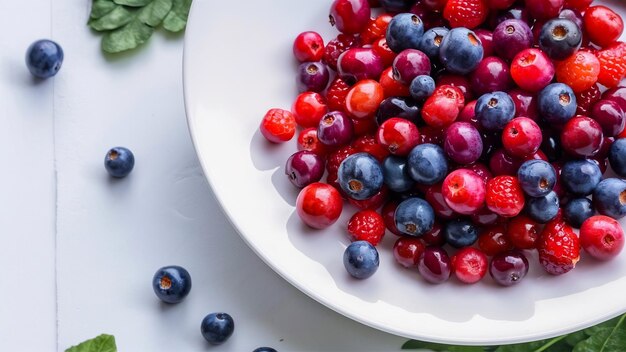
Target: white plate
{"x": 237, "y": 65}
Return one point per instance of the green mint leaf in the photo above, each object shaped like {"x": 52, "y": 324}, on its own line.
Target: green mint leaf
{"x": 154, "y": 13}
{"x": 605, "y": 338}
{"x": 176, "y": 20}
{"x": 128, "y": 37}
{"x": 102, "y": 343}
{"x": 415, "y": 345}
{"x": 100, "y": 8}
{"x": 133, "y": 3}
{"x": 117, "y": 18}
{"x": 575, "y": 337}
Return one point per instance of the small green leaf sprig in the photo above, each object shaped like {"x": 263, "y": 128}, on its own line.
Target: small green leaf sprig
{"x": 609, "y": 336}
{"x": 126, "y": 24}
{"x": 102, "y": 343}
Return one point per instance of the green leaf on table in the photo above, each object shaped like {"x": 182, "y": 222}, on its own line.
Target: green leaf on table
{"x": 154, "y": 13}
{"x": 128, "y": 37}
{"x": 102, "y": 343}
{"x": 176, "y": 20}
{"x": 415, "y": 344}
{"x": 116, "y": 18}
{"x": 605, "y": 339}
{"x": 133, "y": 3}
{"x": 100, "y": 8}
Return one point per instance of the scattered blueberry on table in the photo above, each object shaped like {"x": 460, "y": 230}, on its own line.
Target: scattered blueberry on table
{"x": 44, "y": 58}
{"x": 171, "y": 284}
{"x": 216, "y": 328}
{"x": 119, "y": 162}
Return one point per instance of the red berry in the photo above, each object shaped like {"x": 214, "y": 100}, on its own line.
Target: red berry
{"x": 308, "y": 46}
{"x": 319, "y": 205}
{"x": 505, "y": 196}
{"x": 391, "y": 86}
{"x": 602, "y": 237}
{"x": 364, "y": 98}
{"x": 336, "y": 157}
{"x": 603, "y": 25}
{"x": 338, "y": 46}
{"x": 278, "y": 125}
{"x": 580, "y": 5}
{"x": 612, "y": 65}
{"x": 434, "y": 237}
{"x": 582, "y": 136}
{"x": 440, "y": 111}
{"x": 388, "y": 211}
{"x": 364, "y": 127}
{"x": 521, "y": 137}
{"x": 383, "y": 50}
{"x": 398, "y": 136}
{"x": 308, "y": 109}
{"x": 434, "y": 197}
{"x": 469, "y": 265}
{"x": 559, "y": 248}
{"x": 459, "y": 83}
{"x": 492, "y": 240}
{"x": 408, "y": 251}
{"x": 579, "y": 71}
{"x": 366, "y": 225}
{"x": 523, "y": 232}
{"x": 376, "y": 28}
{"x": 466, "y": 13}
{"x": 336, "y": 95}
{"x": 350, "y": 16}
{"x": 373, "y": 202}
{"x": 307, "y": 140}
{"x": 464, "y": 191}
{"x": 532, "y": 70}
{"x": 586, "y": 99}
{"x": 544, "y": 9}
{"x": 368, "y": 144}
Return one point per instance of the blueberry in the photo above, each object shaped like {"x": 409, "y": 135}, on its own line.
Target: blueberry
{"x": 494, "y": 110}
{"x": 360, "y": 176}
{"x": 617, "y": 157}
{"x": 171, "y": 283}
{"x": 609, "y": 198}
{"x": 557, "y": 103}
{"x": 576, "y": 211}
{"x": 396, "y": 175}
{"x": 216, "y": 328}
{"x": 537, "y": 177}
{"x": 560, "y": 38}
{"x": 44, "y": 58}
{"x": 460, "y": 233}
{"x": 414, "y": 217}
{"x": 405, "y": 31}
{"x": 427, "y": 164}
{"x": 543, "y": 209}
{"x": 264, "y": 349}
{"x": 422, "y": 87}
{"x": 396, "y": 5}
{"x": 361, "y": 259}
{"x": 461, "y": 51}
{"x": 403, "y": 107}
{"x": 119, "y": 162}
{"x": 431, "y": 41}
{"x": 580, "y": 177}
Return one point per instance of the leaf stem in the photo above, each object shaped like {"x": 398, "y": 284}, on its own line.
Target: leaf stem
{"x": 550, "y": 343}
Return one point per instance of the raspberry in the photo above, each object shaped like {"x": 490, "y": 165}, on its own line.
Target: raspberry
{"x": 337, "y": 46}
{"x": 579, "y": 71}
{"x": 612, "y": 64}
{"x": 466, "y": 13}
{"x": 505, "y": 196}
{"x": 366, "y": 225}
{"x": 278, "y": 125}
{"x": 375, "y": 29}
{"x": 586, "y": 99}
{"x": 368, "y": 144}
{"x": 559, "y": 248}
{"x": 336, "y": 157}
{"x": 336, "y": 95}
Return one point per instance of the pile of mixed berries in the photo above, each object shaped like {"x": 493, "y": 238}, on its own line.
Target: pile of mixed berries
{"x": 482, "y": 127}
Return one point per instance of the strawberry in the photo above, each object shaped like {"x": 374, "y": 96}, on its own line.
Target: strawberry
{"x": 366, "y": 225}
{"x": 466, "y": 13}
{"x": 336, "y": 94}
{"x": 505, "y": 196}
{"x": 612, "y": 64}
{"x": 559, "y": 248}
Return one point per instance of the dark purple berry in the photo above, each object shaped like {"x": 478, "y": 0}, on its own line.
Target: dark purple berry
{"x": 304, "y": 167}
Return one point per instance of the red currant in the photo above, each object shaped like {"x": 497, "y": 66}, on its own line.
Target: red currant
{"x": 408, "y": 251}
{"x": 603, "y": 25}
{"x": 521, "y": 137}
{"x": 308, "y": 46}
{"x": 523, "y": 232}
{"x": 492, "y": 240}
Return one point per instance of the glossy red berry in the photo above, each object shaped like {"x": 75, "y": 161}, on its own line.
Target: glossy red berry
{"x": 366, "y": 225}
{"x": 383, "y": 50}
{"x": 408, "y": 251}
{"x": 435, "y": 237}
{"x": 308, "y": 109}
{"x": 505, "y": 196}
{"x": 440, "y": 111}
{"x": 319, "y": 205}
{"x": 308, "y": 46}
{"x": 391, "y": 86}
{"x": 603, "y": 25}
{"x": 368, "y": 144}
{"x": 434, "y": 196}
{"x": 307, "y": 140}
{"x": 364, "y": 127}
{"x": 532, "y": 70}
{"x": 559, "y": 248}
{"x": 398, "y": 136}
{"x": 602, "y": 237}
{"x": 469, "y": 265}
{"x": 364, "y": 98}
{"x": 485, "y": 217}
{"x": 492, "y": 240}
{"x": 523, "y": 232}
{"x": 579, "y": 71}
{"x": 350, "y": 16}
{"x": 582, "y": 137}
{"x": 278, "y": 125}
{"x": 376, "y": 28}
{"x": 521, "y": 137}
{"x": 464, "y": 191}
{"x": 338, "y": 46}
{"x": 466, "y": 13}
{"x": 612, "y": 65}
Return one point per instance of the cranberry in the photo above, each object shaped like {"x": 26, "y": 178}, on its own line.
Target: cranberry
{"x": 308, "y": 109}
{"x": 350, "y": 16}
{"x": 408, "y": 251}
{"x": 521, "y": 137}
{"x": 409, "y": 64}
{"x": 462, "y": 143}
{"x": 525, "y": 104}
{"x": 603, "y": 25}
{"x": 435, "y": 237}
{"x": 610, "y": 116}
{"x": 373, "y": 202}
{"x": 398, "y": 135}
{"x": 364, "y": 98}
{"x": 532, "y": 70}
{"x": 523, "y": 232}
{"x": 602, "y": 237}
{"x": 493, "y": 240}
{"x": 581, "y": 136}
{"x": 434, "y": 197}
{"x": 319, "y": 205}
{"x": 440, "y": 110}
{"x": 304, "y": 168}
{"x": 486, "y": 39}
{"x": 307, "y": 140}
{"x": 508, "y": 268}
{"x": 278, "y": 125}
{"x": 544, "y": 9}
{"x": 510, "y": 37}
{"x": 391, "y": 86}
{"x": 502, "y": 163}
{"x": 464, "y": 191}
{"x": 434, "y": 265}
{"x": 308, "y": 46}
{"x": 469, "y": 265}
{"x": 492, "y": 74}
{"x": 335, "y": 129}
{"x": 359, "y": 63}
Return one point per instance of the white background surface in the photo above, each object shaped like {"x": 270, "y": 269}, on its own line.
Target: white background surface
{"x": 67, "y": 231}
